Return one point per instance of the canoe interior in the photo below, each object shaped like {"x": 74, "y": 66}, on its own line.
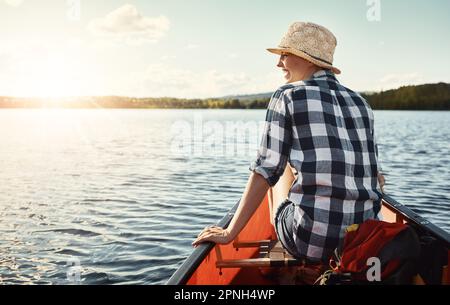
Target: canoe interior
{"x": 258, "y": 228}
{"x": 200, "y": 268}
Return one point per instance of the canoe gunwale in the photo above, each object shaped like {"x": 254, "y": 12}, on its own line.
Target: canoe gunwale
{"x": 185, "y": 271}
{"x": 417, "y": 220}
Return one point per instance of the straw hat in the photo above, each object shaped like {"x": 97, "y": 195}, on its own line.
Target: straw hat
{"x": 309, "y": 41}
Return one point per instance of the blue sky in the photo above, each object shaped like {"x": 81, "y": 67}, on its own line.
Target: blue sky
{"x": 203, "y": 48}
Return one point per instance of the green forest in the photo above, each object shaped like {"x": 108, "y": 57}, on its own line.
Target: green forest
{"x": 420, "y": 97}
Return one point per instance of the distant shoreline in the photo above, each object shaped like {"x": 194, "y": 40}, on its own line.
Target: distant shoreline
{"x": 420, "y": 97}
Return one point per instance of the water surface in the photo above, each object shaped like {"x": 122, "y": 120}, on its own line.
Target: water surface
{"x": 115, "y": 192}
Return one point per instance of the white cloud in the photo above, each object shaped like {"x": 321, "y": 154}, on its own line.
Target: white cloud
{"x": 266, "y": 82}
{"x": 37, "y": 67}
{"x": 392, "y": 81}
{"x": 83, "y": 67}
{"x": 126, "y": 23}
{"x": 165, "y": 80}
{"x": 14, "y": 3}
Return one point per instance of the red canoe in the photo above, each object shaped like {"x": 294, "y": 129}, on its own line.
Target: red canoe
{"x": 240, "y": 262}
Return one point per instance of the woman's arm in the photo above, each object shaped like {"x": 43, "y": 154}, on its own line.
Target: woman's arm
{"x": 280, "y": 191}
{"x": 253, "y": 195}
{"x": 270, "y": 164}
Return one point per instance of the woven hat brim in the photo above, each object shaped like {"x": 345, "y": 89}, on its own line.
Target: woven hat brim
{"x": 303, "y": 55}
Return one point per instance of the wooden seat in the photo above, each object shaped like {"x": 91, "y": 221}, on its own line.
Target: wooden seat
{"x": 271, "y": 254}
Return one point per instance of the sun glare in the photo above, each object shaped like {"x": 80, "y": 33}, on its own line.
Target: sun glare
{"x": 52, "y": 77}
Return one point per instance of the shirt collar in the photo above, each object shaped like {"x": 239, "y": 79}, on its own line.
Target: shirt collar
{"x": 323, "y": 74}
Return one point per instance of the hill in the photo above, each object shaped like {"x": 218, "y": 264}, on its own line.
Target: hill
{"x": 420, "y": 97}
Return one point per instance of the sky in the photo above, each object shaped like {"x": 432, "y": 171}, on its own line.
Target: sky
{"x": 210, "y": 48}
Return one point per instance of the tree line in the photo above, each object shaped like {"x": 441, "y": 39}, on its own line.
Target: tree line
{"x": 420, "y": 97}
{"x": 127, "y": 102}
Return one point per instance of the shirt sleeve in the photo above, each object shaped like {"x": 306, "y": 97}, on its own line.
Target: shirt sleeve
{"x": 275, "y": 147}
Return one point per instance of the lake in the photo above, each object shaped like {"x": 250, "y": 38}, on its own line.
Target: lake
{"x": 117, "y": 196}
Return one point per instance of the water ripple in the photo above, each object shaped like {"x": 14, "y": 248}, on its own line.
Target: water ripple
{"x": 103, "y": 189}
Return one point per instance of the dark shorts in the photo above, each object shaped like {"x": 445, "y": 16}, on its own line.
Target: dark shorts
{"x": 284, "y": 226}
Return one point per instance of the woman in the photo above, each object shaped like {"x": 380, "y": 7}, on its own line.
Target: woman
{"x": 318, "y": 155}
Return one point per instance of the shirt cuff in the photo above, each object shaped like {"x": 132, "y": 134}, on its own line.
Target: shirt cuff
{"x": 265, "y": 173}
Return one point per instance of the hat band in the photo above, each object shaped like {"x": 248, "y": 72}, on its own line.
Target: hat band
{"x": 315, "y": 57}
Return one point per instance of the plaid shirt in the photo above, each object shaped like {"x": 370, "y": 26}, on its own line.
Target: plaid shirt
{"x": 326, "y": 133}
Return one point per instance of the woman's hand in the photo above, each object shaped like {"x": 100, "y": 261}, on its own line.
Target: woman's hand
{"x": 213, "y": 234}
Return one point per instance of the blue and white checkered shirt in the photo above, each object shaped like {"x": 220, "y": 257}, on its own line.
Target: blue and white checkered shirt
{"x": 326, "y": 133}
